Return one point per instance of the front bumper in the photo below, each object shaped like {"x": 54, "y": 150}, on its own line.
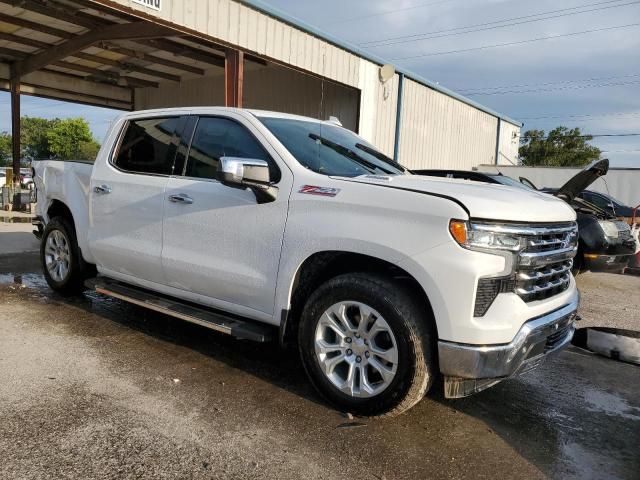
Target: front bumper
{"x": 604, "y": 262}
{"x": 469, "y": 369}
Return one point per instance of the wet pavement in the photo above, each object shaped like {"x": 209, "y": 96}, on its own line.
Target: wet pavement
{"x": 91, "y": 387}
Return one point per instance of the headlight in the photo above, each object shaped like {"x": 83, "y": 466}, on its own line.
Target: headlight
{"x": 610, "y": 229}
{"x": 476, "y": 236}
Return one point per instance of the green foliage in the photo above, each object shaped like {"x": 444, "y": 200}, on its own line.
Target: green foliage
{"x": 563, "y": 147}
{"x": 41, "y": 138}
{"x": 33, "y": 137}
{"x": 5, "y": 149}
{"x": 88, "y": 150}
{"x": 66, "y": 137}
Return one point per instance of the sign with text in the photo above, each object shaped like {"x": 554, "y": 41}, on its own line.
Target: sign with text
{"x": 155, "y": 4}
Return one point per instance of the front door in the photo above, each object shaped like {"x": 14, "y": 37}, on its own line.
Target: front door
{"x": 219, "y": 242}
{"x": 126, "y": 200}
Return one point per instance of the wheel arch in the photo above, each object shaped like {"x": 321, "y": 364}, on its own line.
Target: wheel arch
{"x": 321, "y": 266}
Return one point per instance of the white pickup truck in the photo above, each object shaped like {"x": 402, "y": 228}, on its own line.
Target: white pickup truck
{"x": 272, "y": 226}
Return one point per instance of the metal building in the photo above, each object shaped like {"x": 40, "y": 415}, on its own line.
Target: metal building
{"x": 135, "y": 54}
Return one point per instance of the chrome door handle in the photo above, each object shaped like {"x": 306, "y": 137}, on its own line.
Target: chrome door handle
{"x": 102, "y": 189}
{"x": 181, "y": 198}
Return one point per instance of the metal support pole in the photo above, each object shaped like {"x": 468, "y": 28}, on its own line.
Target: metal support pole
{"x": 497, "y": 159}
{"x": 15, "y": 128}
{"x": 396, "y": 144}
{"x": 233, "y": 78}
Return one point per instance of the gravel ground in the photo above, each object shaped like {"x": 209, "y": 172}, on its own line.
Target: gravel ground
{"x": 610, "y": 300}
{"x": 93, "y": 388}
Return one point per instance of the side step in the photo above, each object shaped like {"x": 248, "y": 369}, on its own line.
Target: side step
{"x": 236, "y": 327}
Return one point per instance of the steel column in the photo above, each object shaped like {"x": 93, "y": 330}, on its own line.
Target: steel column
{"x": 15, "y": 128}
{"x": 233, "y": 78}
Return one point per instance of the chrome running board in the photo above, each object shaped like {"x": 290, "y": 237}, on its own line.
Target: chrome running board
{"x": 237, "y": 327}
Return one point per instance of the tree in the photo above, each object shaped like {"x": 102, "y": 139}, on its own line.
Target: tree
{"x": 33, "y": 137}
{"x": 70, "y": 139}
{"x": 88, "y": 150}
{"x": 563, "y": 147}
{"x": 5, "y": 149}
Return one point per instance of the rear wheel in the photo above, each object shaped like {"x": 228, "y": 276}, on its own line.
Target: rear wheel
{"x": 63, "y": 267}
{"x": 367, "y": 345}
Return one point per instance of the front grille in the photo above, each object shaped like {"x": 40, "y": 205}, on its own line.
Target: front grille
{"x": 542, "y": 266}
{"x": 543, "y": 282}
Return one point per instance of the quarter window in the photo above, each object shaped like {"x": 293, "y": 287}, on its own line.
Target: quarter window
{"x": 215, "y": 138}
{"x": 147, "y": 146}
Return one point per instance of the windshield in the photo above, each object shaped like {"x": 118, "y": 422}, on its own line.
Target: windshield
{"x": 330, "y": 150}
{"x": 509, "y": 181}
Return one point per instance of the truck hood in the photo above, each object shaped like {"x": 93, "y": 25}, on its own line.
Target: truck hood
{"x": 482, "y": 200}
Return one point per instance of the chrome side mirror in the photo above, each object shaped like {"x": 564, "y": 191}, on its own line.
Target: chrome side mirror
{"x": 245, "y": 172}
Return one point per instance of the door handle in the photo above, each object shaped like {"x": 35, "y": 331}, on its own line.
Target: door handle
{"x": 181, "y": 198}
{"x": 104, "y": 189}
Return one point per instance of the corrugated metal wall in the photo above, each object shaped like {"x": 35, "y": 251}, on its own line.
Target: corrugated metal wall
{"x": 440, "y": 132}
{"x": 622, "y": 184}
{"x": 437, "y": 130}
{"x": 509, "y": 144}
{"x": 267, "y": 88}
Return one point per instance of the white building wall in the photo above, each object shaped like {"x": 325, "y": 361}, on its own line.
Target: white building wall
{"x": 441, "y": 132}
{"x": 437, "y": 130}
{"x": 509, "y": 144}
{"x": 266, "y": 88}
{"x": 622, "y": 184}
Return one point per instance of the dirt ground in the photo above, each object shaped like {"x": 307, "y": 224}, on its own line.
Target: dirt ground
{"x": 610, "y": 300}
{"x": 93, "y": 388}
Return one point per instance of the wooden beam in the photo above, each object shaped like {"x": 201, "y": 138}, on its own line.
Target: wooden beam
{"x": 112, "y": 47}
{"x": 105, "y": 75}
{"x": 14, "y": 86}
{"x": 36, "y": 27}
{"x": 57, "y": 12}
{"x": 185, "y": 51}
{"x": 9, "y": 37}
{"x": 126, "y": 66}
{"x": 233, "y": 78}
{"x": 110, "y": 32}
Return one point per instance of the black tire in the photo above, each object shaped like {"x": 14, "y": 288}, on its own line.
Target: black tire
{"x": 79, "y": 270}
{"x": 411, "y": 325}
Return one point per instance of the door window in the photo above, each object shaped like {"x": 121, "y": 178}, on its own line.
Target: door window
{"x": 148, "y": 146}
{"x": 217, "y": 137}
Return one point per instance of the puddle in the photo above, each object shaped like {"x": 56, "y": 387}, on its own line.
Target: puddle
{"x": 28, "y": 280}
{"x": 4, "y": 219}
{"x": 610, "y": 404}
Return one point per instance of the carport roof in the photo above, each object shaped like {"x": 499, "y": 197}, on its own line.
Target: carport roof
{"x": 102, "y": 72}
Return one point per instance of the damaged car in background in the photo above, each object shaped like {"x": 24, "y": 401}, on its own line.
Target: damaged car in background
{"x": 605, "y": 241}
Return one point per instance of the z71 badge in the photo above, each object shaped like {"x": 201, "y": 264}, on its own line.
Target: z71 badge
{"x": 322, "y": 191}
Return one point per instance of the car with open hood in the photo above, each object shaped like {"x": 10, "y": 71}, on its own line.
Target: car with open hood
{"x": 606, "y": 243}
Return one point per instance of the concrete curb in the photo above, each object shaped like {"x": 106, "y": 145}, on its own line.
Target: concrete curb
{"x": 614, "y": 343}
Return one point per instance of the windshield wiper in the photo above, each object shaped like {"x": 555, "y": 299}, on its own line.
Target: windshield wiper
{"x": 380, "y": 156}
{"x": 350, "y": 154}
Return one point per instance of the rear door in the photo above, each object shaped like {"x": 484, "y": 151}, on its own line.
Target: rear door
{"x": 220, "y": 245}
{"x": 127, "y": 199}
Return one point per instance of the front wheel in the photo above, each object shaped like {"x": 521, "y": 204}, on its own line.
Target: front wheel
{"x": 367, "y": 345}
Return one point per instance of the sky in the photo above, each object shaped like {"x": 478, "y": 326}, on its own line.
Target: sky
{"x": 574, "y": 63}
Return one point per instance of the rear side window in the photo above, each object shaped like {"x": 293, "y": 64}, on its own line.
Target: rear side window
{"x": 147, "y": 146}
{"x": 217, "y": 137}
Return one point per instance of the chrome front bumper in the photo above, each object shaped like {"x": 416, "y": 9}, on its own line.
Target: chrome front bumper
{"x": 469, "y": 369}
